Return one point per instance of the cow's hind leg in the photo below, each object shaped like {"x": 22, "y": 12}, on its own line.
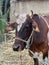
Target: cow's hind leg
{"x": 45, "y": 58}
{"x": 36, "y": 61}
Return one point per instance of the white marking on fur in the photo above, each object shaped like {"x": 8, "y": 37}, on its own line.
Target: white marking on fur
{"x": 45, "y": 61}
{"x": 21, "y": 19}
{"x": 48, "y": 37}
{"x": 36, "y": 55}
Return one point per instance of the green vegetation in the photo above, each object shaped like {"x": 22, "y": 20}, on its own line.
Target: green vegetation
{"x": 6, "y": 9}
{"x": 2, "y": 23}
{"x": 4, "y": 16}
{"x": 2, "y": 26}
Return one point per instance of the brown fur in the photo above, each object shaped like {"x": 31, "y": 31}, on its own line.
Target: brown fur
{"x": 40, "y": 42}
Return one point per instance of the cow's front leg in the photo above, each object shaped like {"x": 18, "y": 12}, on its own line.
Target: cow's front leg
{"x": 35, "y": 57}
{"x": 36, "y": 61}
{"x": 45, "y": 58}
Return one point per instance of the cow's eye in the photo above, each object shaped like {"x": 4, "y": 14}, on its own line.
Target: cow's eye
{"x": 27, "y": 26}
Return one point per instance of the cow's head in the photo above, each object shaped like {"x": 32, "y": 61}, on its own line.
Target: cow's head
{"x": 24, "y": 33}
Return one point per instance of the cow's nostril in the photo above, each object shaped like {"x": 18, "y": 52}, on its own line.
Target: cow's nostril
{"x": 16, "y": 48}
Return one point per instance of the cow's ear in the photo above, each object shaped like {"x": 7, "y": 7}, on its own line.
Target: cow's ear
{"x": 35, "y": 27}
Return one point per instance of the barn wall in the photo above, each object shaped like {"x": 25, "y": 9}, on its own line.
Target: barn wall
{"x": 39, "y": 7}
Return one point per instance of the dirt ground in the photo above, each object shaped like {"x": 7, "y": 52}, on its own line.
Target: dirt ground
{"x": 9, "y": 57}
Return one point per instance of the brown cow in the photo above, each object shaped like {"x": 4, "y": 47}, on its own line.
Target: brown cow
{"x": 38, "y": 39}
